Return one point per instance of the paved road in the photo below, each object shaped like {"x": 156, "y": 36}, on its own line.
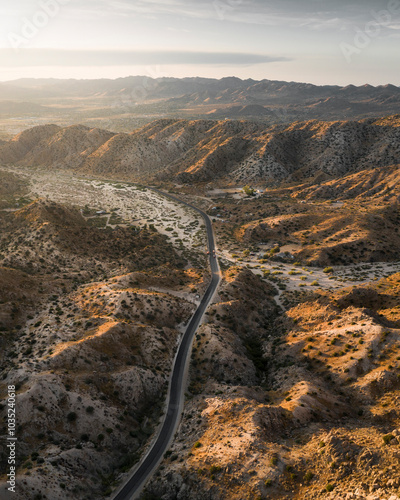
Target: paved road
{"x": 135, "y": 484}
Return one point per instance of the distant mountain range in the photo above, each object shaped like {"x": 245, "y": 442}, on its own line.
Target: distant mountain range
{"x": 208, "y": 151}
{"x": 272, "y": 101}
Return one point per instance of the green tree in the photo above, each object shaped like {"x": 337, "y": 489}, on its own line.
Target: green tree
{"x": 249, "y": 190}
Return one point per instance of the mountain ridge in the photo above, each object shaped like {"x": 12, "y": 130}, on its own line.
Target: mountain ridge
{"x": 190, "y": 98}
{"x": 203, "y": 151}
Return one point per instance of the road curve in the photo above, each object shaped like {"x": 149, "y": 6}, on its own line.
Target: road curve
{"x": 134, "y": 485}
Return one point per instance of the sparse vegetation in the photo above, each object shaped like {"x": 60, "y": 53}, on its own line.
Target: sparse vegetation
{"x": 302, "y": 332}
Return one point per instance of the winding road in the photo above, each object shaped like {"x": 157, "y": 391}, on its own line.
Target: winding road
{"x": 132, "y": 488}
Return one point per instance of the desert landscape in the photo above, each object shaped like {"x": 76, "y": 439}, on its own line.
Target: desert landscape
{"x": 199, "y": 250}
{"x": 124, "y": 104}
{"x": 68, "y": 324}
{"x": 294, "y": 372}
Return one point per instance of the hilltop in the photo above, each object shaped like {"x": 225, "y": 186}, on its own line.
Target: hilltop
{"x": 206, "y": 151}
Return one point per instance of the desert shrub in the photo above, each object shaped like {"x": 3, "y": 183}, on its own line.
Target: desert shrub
{"x": 308, "y": 476}
{"x": 214, "y": 469}
{"x": 387, "y": 438}
{"x": 274, "y": 461}
{"x": 72, "y": 416}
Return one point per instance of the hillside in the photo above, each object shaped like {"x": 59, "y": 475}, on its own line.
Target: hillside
{"x": 87, "y": 341}
{"x": 204, "y": 151}
{"x": 314, "y": 415}
{"x": 12, "y": 189}
{"x": 294, "y": 373}
{"x": 377, "y": 184}
{"x": 349, "y": 220}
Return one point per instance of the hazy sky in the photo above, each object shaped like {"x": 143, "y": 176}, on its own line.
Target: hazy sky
{"x": 318, "y": 41}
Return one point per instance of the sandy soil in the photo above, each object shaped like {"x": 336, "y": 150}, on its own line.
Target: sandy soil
{"x": 128, "y": 203}
{"x": 313, "y": 278}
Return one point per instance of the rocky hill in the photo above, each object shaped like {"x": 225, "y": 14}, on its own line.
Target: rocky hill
{"x": 344, "y": 221}
{"x": 377, "y": 184}
{"x": 294, "y": 385}
{"x": 204, "y": 151}
{"x": 310, "y": 409}
{"x": 87, "y": 343}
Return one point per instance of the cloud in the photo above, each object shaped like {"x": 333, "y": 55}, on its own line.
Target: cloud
{"x": 334, "y": 15}
{"x": 308, "y": 14}
{"x": 284, "y": 9}
{"x": 52, "y": 57}
{"x": 347, "y": 10}
{"x": 125, "y": 8}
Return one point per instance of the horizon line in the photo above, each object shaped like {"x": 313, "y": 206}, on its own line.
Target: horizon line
{"x": 231, "y": 77}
